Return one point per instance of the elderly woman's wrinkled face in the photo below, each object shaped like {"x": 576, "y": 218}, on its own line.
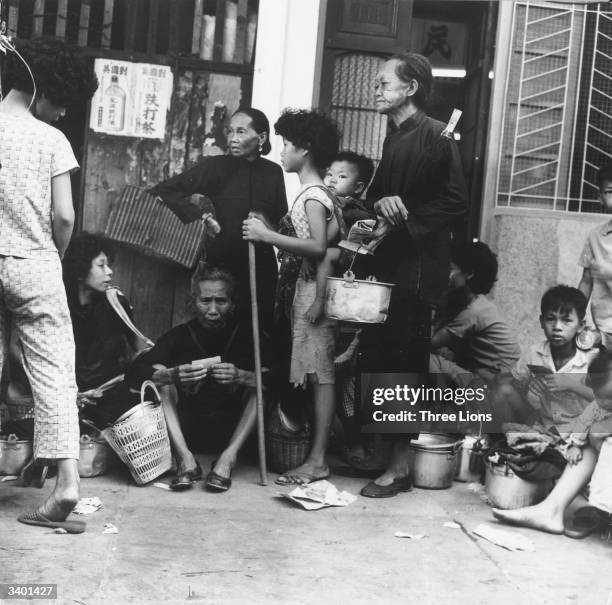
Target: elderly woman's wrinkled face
{"x": 213, "y": 303}
{"x": 390, "y": 92}
{"x": 243, "y": 141}
{"x": 99, "y": 277}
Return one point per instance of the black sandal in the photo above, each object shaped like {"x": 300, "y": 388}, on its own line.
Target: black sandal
{"x": 187, "y": 479}
{"x": 215, "y": 482}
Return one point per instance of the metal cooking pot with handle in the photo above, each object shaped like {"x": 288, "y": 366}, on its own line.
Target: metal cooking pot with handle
{"x": 14, "y": 454}
{"x": 357, "y": 300}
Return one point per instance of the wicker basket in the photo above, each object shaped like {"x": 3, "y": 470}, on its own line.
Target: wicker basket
{"x": 287, "y": 449}
{"x": 140, "y": 439}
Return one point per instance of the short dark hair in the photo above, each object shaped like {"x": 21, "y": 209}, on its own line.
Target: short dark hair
{"x": 599, "y": 369}
{"x": 364, "y": 165}
{"x": 564, "y": 299}
{"x": 412, "y": 66}
{"x": 604, "y": 174}
{"x": 61, "y": 75}
{"x": 76, "y": 264}
{"x": 205, "y": 272}
{"x": 478, "y": 259}
{"x": 310, "y": 130}
{"x": 260, "y": 125}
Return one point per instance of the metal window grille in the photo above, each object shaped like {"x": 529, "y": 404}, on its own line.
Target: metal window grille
{"x": 557, "y": 120}
{"x": 352, "y": 107}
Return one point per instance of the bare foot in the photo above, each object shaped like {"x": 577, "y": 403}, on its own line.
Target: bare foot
{"x": 185, "y": 464}
{"x": 315, "y": 311}
{"x": 535, "y": 517}
{"x": 224, "y": 466}
{"x": 390, "y": 475}
{"x": 59, "y": 504}
{"x": 303, "y": 474}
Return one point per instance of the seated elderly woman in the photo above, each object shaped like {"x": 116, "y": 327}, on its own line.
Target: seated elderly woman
{"x": 104, "y": 343}
{"x": 204, "y": 368}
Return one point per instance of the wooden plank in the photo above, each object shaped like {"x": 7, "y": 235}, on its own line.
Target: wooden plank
{"x": 152, "y": 30}
{"x": 152, "y": 295}
{"x": 241, "y": 31}
{"x": 13, "y": 17}
{"x": 219, "y": 29}
{"x": 107, "y": 23}
{"x": 183, "y": 63}
{"x": 112, "y": 163}
{"x": 181, "y": 103}
{"x": 174, "y": 33}
{"x": 198, "y": 16}
{"x": 198, "y": 117}
{"x": 84, "y": 22}
{"x": 181, "y": 308}
{"x": 38, "y": 18}
{"x": 131, "y": 11}
{"x": 60, "y": 20}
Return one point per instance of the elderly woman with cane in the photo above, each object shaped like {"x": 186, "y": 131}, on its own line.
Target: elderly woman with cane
{"x": 238, "y": 184}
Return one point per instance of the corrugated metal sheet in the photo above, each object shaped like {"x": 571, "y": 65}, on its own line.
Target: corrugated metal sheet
{"x": 141, "y": 221}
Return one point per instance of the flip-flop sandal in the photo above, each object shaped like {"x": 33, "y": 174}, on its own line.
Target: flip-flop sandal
{"x": 583, "y": 523}
{"x": 35, "y": 517}
{"x": 296, "y": 478}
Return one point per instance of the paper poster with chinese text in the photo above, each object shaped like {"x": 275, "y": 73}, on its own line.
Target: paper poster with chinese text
{"x": 132, "y": 99}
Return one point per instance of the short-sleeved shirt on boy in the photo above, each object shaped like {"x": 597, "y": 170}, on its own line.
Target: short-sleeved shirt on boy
{"x": 557, "y": 409}
{"x": 33, "y": 152}
{"x": 597, "y": 257}
{"x": 487, "y": 340}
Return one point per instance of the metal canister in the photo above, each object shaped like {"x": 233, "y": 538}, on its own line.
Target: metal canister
{"x": 14, "y": 454}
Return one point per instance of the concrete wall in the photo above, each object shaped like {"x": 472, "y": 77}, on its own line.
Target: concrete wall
{"x": 535, "y": 251}
{"x": 287, "y": 63}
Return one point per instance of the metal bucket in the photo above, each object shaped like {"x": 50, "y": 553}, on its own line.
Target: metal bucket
{"x": 14, "y": 454}
{"x": 357, "y": 300}
{"x": 470, "y": 465}
{"x": 434, "y": 461}
{"x": 95, "y": 456}
{"x": 508, "y": 491}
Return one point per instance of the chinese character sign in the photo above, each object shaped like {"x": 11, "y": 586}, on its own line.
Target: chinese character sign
{"x": 132, "y": 100}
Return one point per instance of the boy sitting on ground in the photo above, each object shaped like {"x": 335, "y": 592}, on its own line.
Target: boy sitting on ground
{"x": 547, "y": 386}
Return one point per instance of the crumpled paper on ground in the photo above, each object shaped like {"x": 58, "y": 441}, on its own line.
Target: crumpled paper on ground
{"x": 86, "y": 506}
{"x": 510, "y": 540}
{"x": 319, "y": 494}
{"x": 109, "y": 528}
{"x": 405, "y": 534}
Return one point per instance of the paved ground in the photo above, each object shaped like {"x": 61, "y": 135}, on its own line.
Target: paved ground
{"x": 248, "y": 546}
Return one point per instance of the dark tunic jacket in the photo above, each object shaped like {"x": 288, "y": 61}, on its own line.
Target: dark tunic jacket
{"x": 417, "y": 257}
{"x": 233, "y": 343}
{"x": 101, "y": 340}
{"x": 236, "y": 186}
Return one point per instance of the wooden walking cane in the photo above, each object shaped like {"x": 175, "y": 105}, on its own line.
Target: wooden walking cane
{"x": 261, "y": 441}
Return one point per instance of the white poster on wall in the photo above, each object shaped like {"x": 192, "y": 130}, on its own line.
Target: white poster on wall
{"x": 132, "y": 99}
